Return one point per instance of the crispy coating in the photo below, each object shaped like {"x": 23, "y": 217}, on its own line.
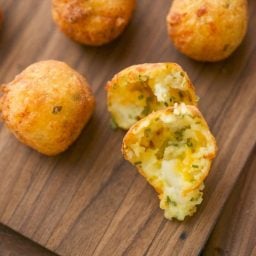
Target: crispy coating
{"x": 92, "y": 22}
{"x": 207, "y": 30}
{"x": 138, "y": 90}
{"x": 47, "y": 105}
{"x": 173, "y": 149}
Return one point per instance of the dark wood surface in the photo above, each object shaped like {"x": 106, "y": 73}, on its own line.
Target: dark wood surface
{"x": 89, "y": 201}
{"x": 13, "y": 244}
{"x": 235, "y": 232}
{"x": 237, "y": 220}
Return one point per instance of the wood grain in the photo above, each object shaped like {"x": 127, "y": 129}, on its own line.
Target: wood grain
{"x": 234, "y": 234}
{"x": 13, "y": 244}
{"x": 89, "y": 201}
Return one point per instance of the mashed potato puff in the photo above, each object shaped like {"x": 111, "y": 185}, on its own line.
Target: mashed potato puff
{"x": 93, "y": 22}
{"x": 173, "y": 149}
{"x": 46, "y": 106}
{"x": 207, "y": 30}
{"x": 138, "y": 90}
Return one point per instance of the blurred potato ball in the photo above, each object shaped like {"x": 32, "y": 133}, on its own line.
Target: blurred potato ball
{"x": 47, "y": 105}
{"x": 92, "y": 22}
{"x": 207, "y": 30}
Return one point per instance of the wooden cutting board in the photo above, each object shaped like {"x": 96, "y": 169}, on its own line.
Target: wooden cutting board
{"x": 88, "y": 200}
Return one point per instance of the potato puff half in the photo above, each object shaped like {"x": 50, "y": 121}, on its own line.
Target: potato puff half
{"x": 47, "y": 105}
{"x": 92, "y": 22}
{"x": 138, "y": 90}
{"x": 173, "y": 149}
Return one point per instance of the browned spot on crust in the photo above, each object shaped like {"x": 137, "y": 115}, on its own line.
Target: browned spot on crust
{"x": 175, "y": 18}
{"x": 213, "y": 27}
{"x": 74, "y": 13}
{"x": 201, "y": 11}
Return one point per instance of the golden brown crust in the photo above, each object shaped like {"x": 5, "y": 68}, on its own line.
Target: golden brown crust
{"x": 94, "y": 22}
{"x": 47, "y": 105}
{"x": 207, "y": 30}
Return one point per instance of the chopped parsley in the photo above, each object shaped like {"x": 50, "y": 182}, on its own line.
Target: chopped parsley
{"x": 113, "y": 124}
{"x": 189, "y": 143}
{"x": 170, "y": 201}
{"x": 141, "y": 96}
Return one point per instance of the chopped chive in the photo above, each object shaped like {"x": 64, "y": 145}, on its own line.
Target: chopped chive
{"x": 195, "y": 166}
{"x": 140, "y": 97}
{"x": 143, "y": 78}
{"x": 137, "y": 163}
{"x": 170, "y": 201}
{"x": 189, "y": 143}
{"x": 113, "y": 124}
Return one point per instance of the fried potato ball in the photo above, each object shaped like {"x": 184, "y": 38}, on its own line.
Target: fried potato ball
{"x": 47, "y": 105}
{"x": 173, "y": 149}
{"x": 138, "y": 90}
{"x": 92, "y": 22}
{"x": 207, "y": 30}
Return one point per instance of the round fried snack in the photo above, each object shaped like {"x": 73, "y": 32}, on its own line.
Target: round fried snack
{"x": 47, "y": 105}
{"x": 207, "y": 30}
{"x": 92, "y": 22}
{"x": 173, "y": 149}
{"x": 138, "y": 90}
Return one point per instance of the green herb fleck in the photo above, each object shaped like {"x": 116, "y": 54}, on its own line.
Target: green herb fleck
{"x": 147, "y": 108}
{"x": 113, "y": 124}
{"x": 189, "y": 143}
{"x": 195, "y": 166}
{"x": 179, "y": 135}
{"x": 160, "y": 152}
{"x": 140, "y": 97}
{"x": 56, "y": 109}
{"x": 170, "y": 201}
{"x": 143, "y": 79}
{"x": 166, "y": 104}
{"x": 137, "y": 163}
{"x": 147, "y": 132}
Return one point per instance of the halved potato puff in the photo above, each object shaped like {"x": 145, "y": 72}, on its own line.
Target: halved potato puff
{"x": 138, "y": 90}
{"x": 173, "y": 149}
